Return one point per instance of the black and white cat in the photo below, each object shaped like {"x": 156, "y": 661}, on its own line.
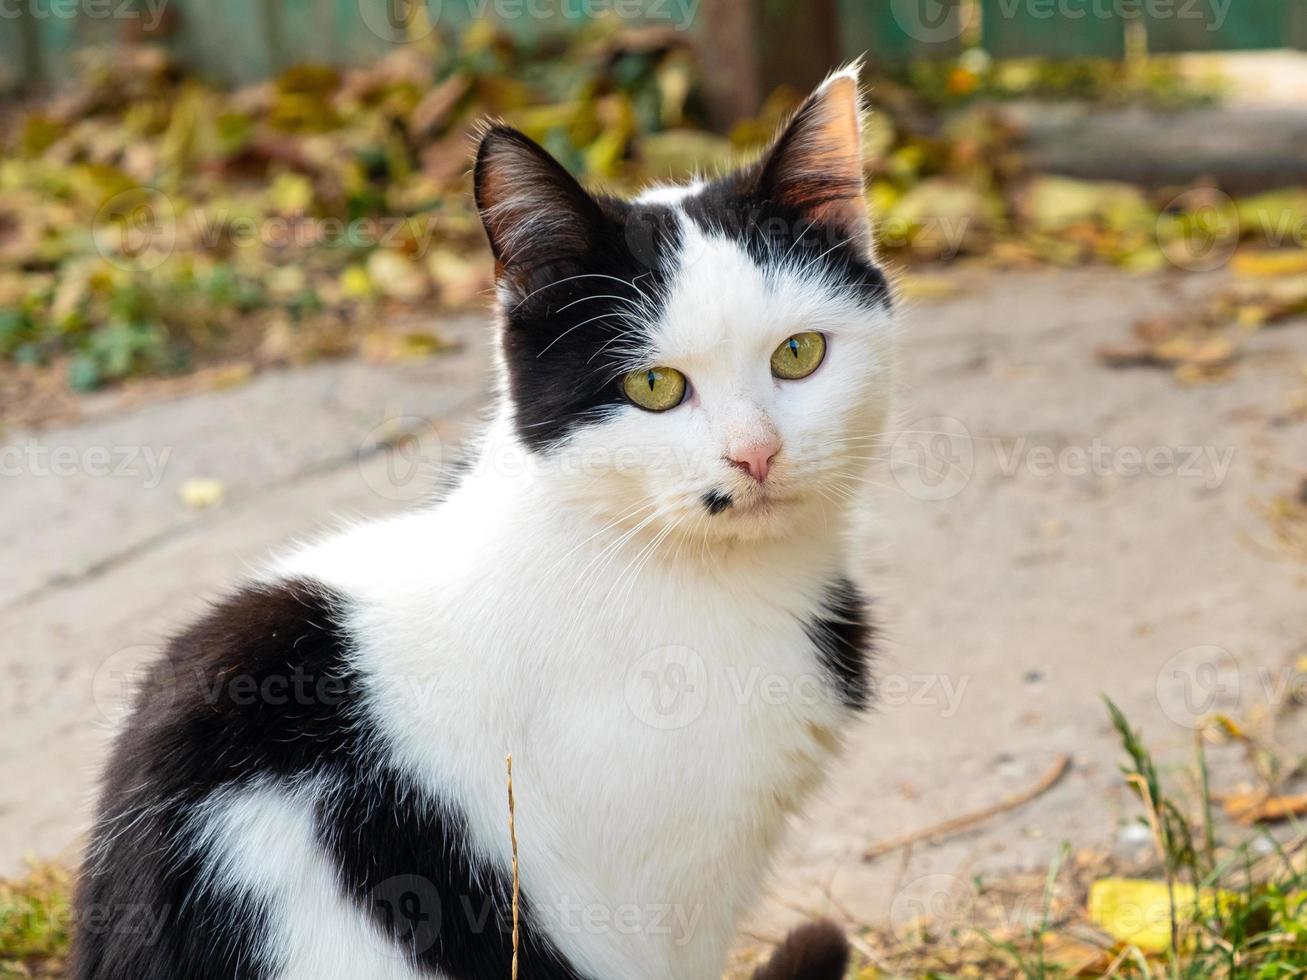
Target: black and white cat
{"x": 639, "y": 589}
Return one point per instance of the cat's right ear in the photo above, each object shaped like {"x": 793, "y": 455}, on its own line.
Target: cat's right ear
{"x": 534, "y": 212}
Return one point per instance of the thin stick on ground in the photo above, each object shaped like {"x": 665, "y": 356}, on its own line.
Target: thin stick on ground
{"x": 512, "y": 835}
{"x": 957, "y": 825}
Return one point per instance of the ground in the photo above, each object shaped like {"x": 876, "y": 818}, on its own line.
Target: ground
{"x": 1037, "y": 569}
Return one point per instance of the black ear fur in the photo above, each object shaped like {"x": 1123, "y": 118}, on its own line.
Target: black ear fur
{"x": 534, "y": 211}
{"x": 815, "y": 166}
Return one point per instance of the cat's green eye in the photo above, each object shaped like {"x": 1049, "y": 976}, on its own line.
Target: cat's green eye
{"x": 655, "y": 389}
{"x": 799, "y": 356}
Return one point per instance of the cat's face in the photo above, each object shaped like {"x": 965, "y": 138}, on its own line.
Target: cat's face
{"x": 714, "y": 358}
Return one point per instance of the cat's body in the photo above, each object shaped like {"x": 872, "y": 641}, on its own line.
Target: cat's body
{"x": 664, "y": 638}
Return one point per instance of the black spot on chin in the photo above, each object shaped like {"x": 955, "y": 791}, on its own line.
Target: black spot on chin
{"x": 717, "y": 501}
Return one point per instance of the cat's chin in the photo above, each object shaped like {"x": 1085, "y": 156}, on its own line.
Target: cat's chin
{"x": 762, "y": 517}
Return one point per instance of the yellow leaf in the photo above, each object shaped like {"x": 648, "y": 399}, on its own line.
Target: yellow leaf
{"x": 396, "y": 276}
{"x": 202, "y": 492}
{"x": 926, "y": 287}
{"x": 354, "y": 282}
{"x": 1266, "y": 264}
{"x": 1138, "y": 912}
{"x": 1229, "y": 726}
{"x": 291, "y": 193}
{"x": 231, "y": 376}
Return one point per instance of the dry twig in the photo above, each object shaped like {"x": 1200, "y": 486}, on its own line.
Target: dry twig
{"x": 957, "y": 825}
{"x": 512, "y": 834}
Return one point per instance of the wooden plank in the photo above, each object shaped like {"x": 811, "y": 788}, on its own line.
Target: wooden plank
{"x": 226, "y": 42}
{"x": 895, "y": 31}
{"x": 726, "y": 32}
{"x": 1206, "y": 25}
{"x": 1296, "y": 24}
{"x": 1053, "y": 29}
{"x": 363, "y": 30}
{"x": 800, "y": 42}
{"x": 60, "y": 33}
{"x": 18, "y": 66}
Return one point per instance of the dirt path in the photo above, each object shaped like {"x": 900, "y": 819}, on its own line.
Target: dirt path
{"x": 1035, "y": 570}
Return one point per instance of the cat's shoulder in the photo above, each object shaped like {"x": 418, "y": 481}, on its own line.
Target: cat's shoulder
{"x": 262, "y": 681}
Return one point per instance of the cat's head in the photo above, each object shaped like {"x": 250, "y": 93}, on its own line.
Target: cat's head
{"x": 715, "y": 357}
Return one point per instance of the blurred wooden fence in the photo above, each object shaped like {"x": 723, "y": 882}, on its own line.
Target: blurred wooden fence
{"x": 760, "y": 42}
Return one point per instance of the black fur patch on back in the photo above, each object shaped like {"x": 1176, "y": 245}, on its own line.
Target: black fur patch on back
{"x": 816, "y": 951}
{"x": 843, "y": 635}
{"x": 262, "y": 689}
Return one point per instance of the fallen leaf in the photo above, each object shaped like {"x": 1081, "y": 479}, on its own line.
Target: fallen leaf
{"x": 231, "y": 376}
{"x": 1137, "y": 911}
{"x": 1270, "y": 264}
{"x": 1262, "y": 807}
{"x": 396, "y": 276}
{"x": 200, "y": 493}
{"x": 913, "y": 286}
{"x": 1074, "y": 957}
{"x": 355, "y": 283}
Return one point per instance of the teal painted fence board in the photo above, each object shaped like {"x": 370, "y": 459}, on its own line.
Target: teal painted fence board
{"x": 900, "y": 30}
{"x": 1295, "y": 28}
{"x": 53, "y": 41}
{"x": 1204, "y": 25}
{"x": 335, "y": 32}
{"x": 17, "y": 46}
{"x": 238, "y": 41}
{"x": 1065, "y": 29}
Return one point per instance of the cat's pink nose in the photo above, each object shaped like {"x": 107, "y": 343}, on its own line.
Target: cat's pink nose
{"x": 755, "y": 459}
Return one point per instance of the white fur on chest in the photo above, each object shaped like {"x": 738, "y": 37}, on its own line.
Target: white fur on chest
{"x": 664, "y": 716}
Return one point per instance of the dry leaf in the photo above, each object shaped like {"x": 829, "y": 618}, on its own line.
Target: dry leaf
{"x": 200, "y": 493}
{"x": 1137, "y": 911}
{"x": 1261, "y": 807}
{"x": 1268, "y": 264}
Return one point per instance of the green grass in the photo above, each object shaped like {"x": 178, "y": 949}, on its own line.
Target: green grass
{"x": 1257, "y": 926}
{"x": 1249, "y": 921}
{"x": 35, "y": 923}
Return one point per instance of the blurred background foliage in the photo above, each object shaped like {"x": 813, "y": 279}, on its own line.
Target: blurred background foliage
{"x": 151, "y": 223}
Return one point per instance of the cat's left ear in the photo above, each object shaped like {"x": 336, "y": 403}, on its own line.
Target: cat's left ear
{"x": 535, "y": 213}
{"x": 815, "y": 166}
